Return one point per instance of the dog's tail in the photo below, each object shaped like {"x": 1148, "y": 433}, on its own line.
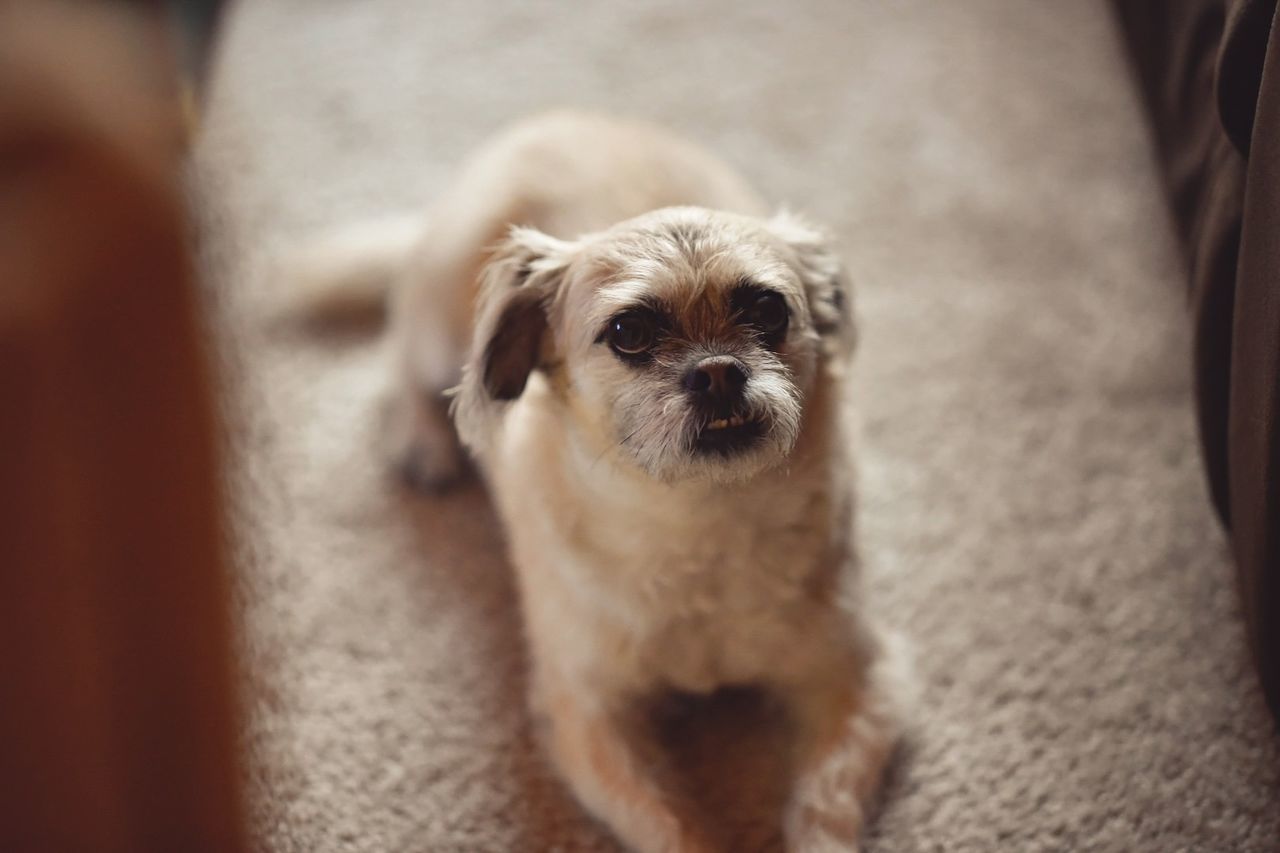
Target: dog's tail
{"x": 343, "y": 280}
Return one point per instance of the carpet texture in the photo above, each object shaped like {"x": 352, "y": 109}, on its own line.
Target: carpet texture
{"x": 1033, "y": 511}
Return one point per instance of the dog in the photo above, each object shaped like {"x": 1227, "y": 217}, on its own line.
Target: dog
{"x": 648, "y": 369}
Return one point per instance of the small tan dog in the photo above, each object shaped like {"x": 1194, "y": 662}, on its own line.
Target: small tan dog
{"x": 654, "y": 396}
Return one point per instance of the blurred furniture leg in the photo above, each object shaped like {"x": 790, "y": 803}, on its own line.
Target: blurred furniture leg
{"x": 117, "y": 701}
{"x": 1210, "y": 73}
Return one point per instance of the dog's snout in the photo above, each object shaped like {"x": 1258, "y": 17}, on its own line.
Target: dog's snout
{"x": 721, "y": 377}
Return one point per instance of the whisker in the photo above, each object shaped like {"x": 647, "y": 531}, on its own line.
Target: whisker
{"x": 605, "y": 452}
{"x": 629, "y": 436}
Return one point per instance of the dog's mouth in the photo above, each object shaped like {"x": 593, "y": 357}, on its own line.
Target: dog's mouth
{"x": 727, "y": 436}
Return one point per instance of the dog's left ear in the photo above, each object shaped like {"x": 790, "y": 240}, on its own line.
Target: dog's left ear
{"x": 517, "y": 288}
{"x": 825, "y": 279}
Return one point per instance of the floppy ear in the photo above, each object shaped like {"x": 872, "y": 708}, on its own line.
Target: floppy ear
{"x": 510, "y": 328}
{"x": 823, "y": 274}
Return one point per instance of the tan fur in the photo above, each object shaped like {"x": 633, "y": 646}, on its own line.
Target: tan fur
{"x": 563, "y": 173}
{"x": 643, "y": 564}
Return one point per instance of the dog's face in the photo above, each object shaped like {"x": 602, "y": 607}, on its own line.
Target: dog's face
{"x": 686, "y": 339}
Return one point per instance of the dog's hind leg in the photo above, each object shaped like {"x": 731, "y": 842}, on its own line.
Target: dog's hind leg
{"x": 430, "y": 330}
{"x": 431, "y": 318}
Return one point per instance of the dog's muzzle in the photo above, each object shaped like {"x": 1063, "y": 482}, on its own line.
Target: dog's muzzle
{"x": 716, "y": 387}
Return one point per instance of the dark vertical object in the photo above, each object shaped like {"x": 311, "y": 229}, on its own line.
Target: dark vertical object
{"x": 1175, "y": 48}
{"x": 196, "y": 23}
{"x": 117, "y": 700}
{"x": 1254, "y": 432}
{"x": 1210, "y": 74}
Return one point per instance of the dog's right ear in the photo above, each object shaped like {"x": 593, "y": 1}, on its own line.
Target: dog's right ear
{"x": 511, "y": 325}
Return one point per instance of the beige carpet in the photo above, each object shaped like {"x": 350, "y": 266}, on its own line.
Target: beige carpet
{"x": 1033, "y": 517}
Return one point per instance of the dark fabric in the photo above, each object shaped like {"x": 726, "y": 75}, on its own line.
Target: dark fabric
{"x": 1254, "y": 428}
{"x": 1174, "y": 46}
{"x": 1210, "y": 74}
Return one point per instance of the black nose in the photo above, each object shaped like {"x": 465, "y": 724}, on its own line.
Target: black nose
{"x": 721, "y": 378}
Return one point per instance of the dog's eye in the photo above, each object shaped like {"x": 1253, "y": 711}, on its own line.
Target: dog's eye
{"x": 632, "y": 333}
{"x": 768, "y": 313}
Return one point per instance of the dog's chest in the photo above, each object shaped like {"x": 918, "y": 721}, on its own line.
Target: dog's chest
{"x": 700, "y": 596}
{"x": 645, "y": 585}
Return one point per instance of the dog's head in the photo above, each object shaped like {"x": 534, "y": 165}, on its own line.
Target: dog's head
{"x": 686, "y": 339}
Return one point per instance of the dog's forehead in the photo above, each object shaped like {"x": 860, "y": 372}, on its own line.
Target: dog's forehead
{"x": 682, "y": 264}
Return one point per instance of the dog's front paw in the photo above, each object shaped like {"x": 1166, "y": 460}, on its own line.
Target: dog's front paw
{"x": 809, "y": 829}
